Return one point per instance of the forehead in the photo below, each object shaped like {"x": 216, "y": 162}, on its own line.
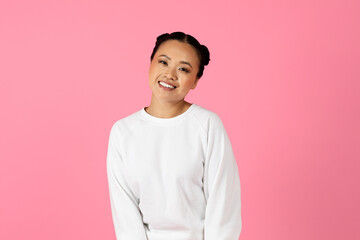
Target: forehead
{"x": 178, "y": 50}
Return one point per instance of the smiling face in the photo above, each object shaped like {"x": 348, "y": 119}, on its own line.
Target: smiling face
{"x": 177, "y": 64}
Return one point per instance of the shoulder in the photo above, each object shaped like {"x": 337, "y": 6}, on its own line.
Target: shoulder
{"x": 124, "y": 126}
{"x": 207, "y": 118}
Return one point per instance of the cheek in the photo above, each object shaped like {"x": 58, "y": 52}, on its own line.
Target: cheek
{"x": 189, "y": 81}
{"x": 153, "y": 72}
{"x": 153, "y": 76}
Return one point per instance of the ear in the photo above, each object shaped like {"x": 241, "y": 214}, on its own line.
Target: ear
{"x": 195, "y": 83}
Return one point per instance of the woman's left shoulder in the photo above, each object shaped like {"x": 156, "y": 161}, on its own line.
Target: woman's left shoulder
{"x": 207, "y": 117}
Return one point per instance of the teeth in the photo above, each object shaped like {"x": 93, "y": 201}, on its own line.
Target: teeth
{"x": 166, "y": 85}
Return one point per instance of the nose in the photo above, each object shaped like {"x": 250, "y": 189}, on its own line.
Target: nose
{"x": 171, "y": 74}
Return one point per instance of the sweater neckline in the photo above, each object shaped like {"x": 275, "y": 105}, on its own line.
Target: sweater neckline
{"x": 165, "y": 121}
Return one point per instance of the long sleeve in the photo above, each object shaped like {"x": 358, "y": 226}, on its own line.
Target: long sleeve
{"x": 221, "y": 186}
{"x": 126, "y": 215}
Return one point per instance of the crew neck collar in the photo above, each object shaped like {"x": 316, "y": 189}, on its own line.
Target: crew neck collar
{"x": 165, "y": 121}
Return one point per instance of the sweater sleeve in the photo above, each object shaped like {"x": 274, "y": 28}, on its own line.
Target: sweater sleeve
{"x": 126, "y": 214}
{"x": 221, "y": 186}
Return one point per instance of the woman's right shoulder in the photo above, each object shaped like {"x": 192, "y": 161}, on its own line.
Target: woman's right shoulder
{"x": 125, "y": 124}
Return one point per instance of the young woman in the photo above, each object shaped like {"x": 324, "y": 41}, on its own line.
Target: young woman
{"x": 171, "y": 169}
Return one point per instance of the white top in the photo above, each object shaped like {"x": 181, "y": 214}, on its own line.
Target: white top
{"x": 173, "y": 178}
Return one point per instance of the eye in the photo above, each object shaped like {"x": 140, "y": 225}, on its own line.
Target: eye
{"x": 184, "y": 69}
{"x": 162, "y": 62}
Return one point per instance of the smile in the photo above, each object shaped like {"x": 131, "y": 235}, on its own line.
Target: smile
{"x": 165, "y": 85}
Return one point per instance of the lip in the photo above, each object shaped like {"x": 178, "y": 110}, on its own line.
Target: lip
{"x": 165, "y": 88}
{"x": 168, "y": 83}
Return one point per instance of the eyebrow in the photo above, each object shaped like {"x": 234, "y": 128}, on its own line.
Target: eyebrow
{"x": 187, "y": 63}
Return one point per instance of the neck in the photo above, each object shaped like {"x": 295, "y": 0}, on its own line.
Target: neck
{"x": 166, "y": 109}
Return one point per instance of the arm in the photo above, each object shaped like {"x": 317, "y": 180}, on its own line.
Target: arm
{"x": 126, "y": 215}
{"x": 221, "y": 187}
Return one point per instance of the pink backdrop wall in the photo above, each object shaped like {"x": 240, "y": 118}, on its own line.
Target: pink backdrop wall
{"x": 283, "y": 76}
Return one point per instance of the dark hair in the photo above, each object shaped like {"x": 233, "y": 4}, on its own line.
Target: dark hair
{"x": 202, "y": 51}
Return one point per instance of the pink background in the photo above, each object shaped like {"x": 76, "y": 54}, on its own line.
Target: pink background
{"x": 283, "y": 76}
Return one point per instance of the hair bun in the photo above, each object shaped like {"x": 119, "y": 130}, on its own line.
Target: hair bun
{"x": 205, "y": 54}
{"x": 160, "y": 37}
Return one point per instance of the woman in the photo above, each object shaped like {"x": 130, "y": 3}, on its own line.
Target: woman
{"x": 171, "y": 170}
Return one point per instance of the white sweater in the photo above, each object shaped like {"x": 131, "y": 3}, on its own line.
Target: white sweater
{"x": 173, "y": 178}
